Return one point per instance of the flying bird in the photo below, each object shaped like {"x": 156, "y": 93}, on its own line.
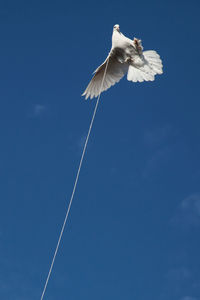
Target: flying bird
{"x": 125, "y": 56}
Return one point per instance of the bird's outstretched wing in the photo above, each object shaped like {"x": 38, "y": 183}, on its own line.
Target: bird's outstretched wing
{"x": 115, "y": 71}
{"x": 145, "y": 66}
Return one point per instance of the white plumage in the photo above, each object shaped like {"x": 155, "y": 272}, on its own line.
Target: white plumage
{"x": 126, "y": 55}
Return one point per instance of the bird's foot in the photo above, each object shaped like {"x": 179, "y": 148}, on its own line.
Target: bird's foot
{"x": 138, "y": 45}
{"x": 128, "y": 60}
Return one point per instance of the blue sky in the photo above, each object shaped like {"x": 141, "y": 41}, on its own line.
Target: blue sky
{"x": 133, "y": 231}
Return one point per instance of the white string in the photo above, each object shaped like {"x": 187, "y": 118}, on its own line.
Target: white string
{"x": 75, "y": 184}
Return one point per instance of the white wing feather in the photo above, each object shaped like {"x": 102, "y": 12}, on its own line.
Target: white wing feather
{"x": 115, "y": 71}
{"x": 145, "y": 67}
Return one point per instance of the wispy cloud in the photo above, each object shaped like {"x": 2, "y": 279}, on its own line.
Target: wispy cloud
{"x": 23, "y": 280}
{"x": 178, "y": 284}
{"x": 16, "y": 284}
{"x": 178, "y": 274}
{"x": 157, "y": 159}
{"x": 160, "y": 142}
{"x": 158, "y": 136}
{"x": 39, "y": 109}
{"x": 81, "y": 141}
{"x": 188, "y": 298}
{"x": 188, "y": 213}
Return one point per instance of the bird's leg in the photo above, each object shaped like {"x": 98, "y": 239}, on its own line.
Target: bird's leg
{"x": 129, "y": 60}
{"x": 138, "y": 45}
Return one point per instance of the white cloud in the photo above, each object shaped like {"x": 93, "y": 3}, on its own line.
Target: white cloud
{"x": 39, "y": 109}
{"x": 158, "y": 136}
{"x": 192, "y": 204}
{"x": 81, "y": 141}
{"x": 14, "y": 284}
{"x": 178, "y": 274}
{"x": 188, "y": 213}
{"x": 188, "y": 298}
{"x": 158, "y": 159}
{"x": 161, "y": 142}
{"x": 178, "y": 283}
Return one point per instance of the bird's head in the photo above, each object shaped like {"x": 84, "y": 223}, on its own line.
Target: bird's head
{"x": 116, "y": 27}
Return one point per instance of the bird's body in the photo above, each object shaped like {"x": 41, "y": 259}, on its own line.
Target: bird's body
{"x": 126, "y": 55}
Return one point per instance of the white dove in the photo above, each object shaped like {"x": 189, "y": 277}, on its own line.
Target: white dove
{"x": 126, "y": 55}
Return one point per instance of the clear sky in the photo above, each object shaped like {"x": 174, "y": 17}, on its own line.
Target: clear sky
{"x": 134, "y": 227}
